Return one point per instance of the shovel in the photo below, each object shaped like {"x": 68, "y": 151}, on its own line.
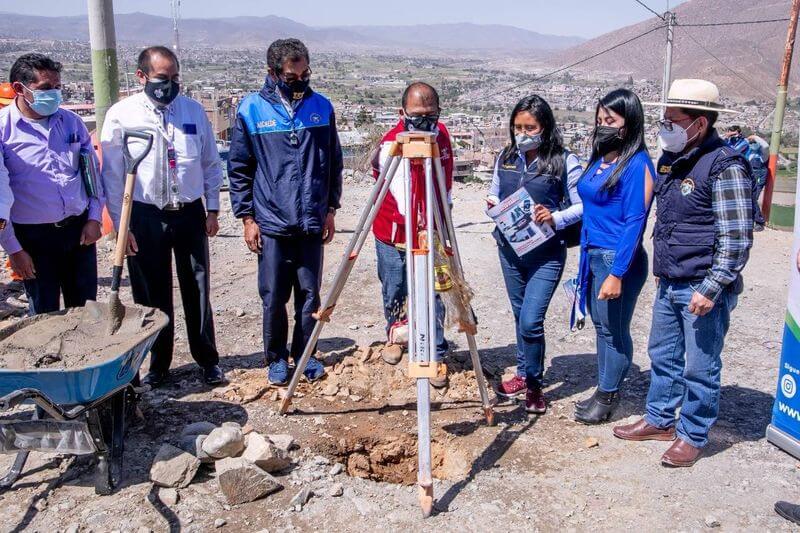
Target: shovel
{"x": 115, "y": 308}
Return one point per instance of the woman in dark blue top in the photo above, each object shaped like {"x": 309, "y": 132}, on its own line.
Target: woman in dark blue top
{"x": 536, "y": 161}
{"x": 616, "y": 190}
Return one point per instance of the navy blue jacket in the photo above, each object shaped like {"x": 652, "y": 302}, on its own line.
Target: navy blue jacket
{"x": 684, "y": 237}
{"x": 285, "y": 172}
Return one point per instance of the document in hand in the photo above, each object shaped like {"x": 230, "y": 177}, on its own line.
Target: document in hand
{"x": 514, "y": 219}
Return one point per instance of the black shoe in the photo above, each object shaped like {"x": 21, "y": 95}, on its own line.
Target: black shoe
{"x": 789, "y": 511}
{"x": 585, "y": 403}
{"x": 213, "y": 375}
{"x": 155, "y": 379}
{"x": 599, "y": 409}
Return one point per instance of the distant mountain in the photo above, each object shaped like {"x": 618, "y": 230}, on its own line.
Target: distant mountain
{"x": 753, "y": 51}
{"x": 258, "y": 32}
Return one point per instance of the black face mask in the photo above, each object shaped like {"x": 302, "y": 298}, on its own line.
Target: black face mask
{"x": 162, "y": 92}
{"x": 425, "y": 123}
{"x": 294, "y": 90}
{"x": 608, "y": 139}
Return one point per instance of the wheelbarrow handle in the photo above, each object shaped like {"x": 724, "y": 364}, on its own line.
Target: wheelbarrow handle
{"x": 132, "y": 163}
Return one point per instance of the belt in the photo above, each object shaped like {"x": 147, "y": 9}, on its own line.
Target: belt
{"x": 61, "y": 223}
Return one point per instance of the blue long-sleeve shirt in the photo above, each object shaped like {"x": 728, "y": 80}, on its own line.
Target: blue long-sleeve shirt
{"x": 615, "y": 219}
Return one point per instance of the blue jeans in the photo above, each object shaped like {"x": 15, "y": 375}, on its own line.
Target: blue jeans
{"x": 531, "y": 281}
{"x": 612, "y": 318}
{"x": 392, "y": 274}
{"x": 685, "y": 361}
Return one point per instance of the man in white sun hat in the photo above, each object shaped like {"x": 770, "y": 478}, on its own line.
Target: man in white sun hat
{"x": 702, "y": 239}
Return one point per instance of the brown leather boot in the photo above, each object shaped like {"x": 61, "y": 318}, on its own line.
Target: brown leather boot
{"x": 641, "y": 430}
{"x": 681, "y": 454}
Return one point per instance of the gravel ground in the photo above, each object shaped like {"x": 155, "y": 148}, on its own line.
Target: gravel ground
{"x": 546, "y": 473}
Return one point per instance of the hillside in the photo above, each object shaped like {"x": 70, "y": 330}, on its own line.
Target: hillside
{"x": 258, "y": 32}
{"x": 754, "y": 51}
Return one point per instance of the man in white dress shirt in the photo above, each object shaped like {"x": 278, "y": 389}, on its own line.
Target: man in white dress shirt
{"x": 175, "y": 205}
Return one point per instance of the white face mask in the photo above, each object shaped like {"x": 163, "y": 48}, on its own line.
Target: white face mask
{"x": 676, "y": 140}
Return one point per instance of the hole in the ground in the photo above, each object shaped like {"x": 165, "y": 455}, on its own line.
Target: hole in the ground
{"x": 392, "y": 457}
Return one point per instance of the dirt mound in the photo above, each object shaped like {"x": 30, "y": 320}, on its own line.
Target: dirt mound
{"x": 75, "y": 338}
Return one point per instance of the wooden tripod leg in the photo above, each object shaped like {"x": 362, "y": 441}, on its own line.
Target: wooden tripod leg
{"x": 378, "y": 194}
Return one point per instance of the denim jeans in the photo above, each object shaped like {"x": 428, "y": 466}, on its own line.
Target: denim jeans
{"x": 531, "y": 281}
{"x": 612, "y": 318}
{"x": 392, "y": 274}
{"x": 685, "y": 360}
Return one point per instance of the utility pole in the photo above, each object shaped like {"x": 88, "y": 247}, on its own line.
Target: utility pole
{"x": 669, "y": 17}
{"x": 780, "y": 107}
{"x": 176, "y": 14}
{"x": 105, "y": 72}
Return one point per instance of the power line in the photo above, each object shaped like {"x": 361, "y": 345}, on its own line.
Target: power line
{"x": 738, "y": 23}
{"x": 731, "y": 70}
{"x": 649, "y": 9}
{"x": 580, "y": 61}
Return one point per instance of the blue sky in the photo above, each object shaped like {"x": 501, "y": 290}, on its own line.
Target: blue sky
{"x": 584, "y": 18}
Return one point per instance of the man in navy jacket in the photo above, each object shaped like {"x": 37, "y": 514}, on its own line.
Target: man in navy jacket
{"x": 285, "y": 171}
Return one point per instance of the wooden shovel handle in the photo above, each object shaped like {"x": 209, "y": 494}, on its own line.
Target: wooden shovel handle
{"x": 124, "y": 221}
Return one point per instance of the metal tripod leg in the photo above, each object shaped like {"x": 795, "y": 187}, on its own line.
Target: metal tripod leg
{"x": 379, "y": 191}
{"x": 421, "y": 325}
{"x": 457, "y": 265}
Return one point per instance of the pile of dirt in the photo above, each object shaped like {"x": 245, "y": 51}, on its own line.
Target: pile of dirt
{"x": 75, "y": 338}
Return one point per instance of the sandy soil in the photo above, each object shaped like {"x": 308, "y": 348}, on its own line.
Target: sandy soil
{"x": 75, "y": 338}
{"x": 537, "y": 473}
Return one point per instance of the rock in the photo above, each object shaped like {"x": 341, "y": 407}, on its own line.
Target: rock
{"x": 72, "y": 528}
{"x": 198, "y": 428}
{"x": 355, "y": 398}
{"x": 711, "y": 521}
{"x": 193, "y": 444}
{"x": 173, "y": 467}
{"x": 239, "y": 312}
{"x": 219, "y": 522}
{"x": 364, "y": 506}
{"x": 336, "y": 490}
{"x": 336, "y": 469}
{"x": 234, "y": 425}
{"x": 247, "y": 429}
{"x": 352, "y": 327}
{"x": 591, "y": 442}
{"x": 169, "y": 496}
{"x": 282, "y": 441}
{"x": 330, "y": 390}
{"x": 224, "y": 442}
{"x": 265, "y": 454}
{"x": 301, "y": 498}
{"x": 240, "y": 481}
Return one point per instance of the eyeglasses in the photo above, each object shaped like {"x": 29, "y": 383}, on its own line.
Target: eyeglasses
{"x": 293, "y": 77}
{"x": 667, "y": 124}
{"x": 527, "y": 128}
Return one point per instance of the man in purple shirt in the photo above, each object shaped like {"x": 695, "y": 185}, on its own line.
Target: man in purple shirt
{"x": 54, "y": 221}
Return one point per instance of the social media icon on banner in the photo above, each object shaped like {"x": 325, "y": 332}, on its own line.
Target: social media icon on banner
{"x": 788, "y": 386}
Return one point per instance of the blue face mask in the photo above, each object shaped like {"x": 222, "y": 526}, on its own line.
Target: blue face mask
{"x": 45, "y": 102}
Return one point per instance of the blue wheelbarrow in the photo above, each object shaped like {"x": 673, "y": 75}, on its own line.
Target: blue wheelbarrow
{"x": 78, "y": 411}
{"x": 81, "y": 410}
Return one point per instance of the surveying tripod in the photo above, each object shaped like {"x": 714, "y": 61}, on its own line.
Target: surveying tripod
{"x": 423, "y": 202}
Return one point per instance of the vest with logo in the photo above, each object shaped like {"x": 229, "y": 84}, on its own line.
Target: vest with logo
{"x": 545, "y": 189}
{"x": 684, "y": 235}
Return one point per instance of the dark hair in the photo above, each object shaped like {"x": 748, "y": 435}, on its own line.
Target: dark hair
{"x": 551, "y": 151}
{"x": 144, "y": 62}
{"x": 733, "y": 127}
{"x": 711, "y": 116}
{"x": 626, "y": 104}
{"x": 25, "y": 68}
{"x": 429, "y": 94}
{"x": 283, "y": 49}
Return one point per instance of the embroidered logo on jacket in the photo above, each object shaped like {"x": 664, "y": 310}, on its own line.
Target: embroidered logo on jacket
{"x": 687, "y": 186}
{"x": 266, "y": 124}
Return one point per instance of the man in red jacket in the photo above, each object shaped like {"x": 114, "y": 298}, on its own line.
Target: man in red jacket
{"x": 420, "y": 112}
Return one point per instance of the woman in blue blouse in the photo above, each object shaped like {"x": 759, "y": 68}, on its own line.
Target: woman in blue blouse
{"x": 536, "y": 160}
{"x": 616, "y": 190}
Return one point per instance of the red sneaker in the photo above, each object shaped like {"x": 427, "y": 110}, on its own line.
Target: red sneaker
{"x": 535, "y": 402}
{"x": 512, "y": 388}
